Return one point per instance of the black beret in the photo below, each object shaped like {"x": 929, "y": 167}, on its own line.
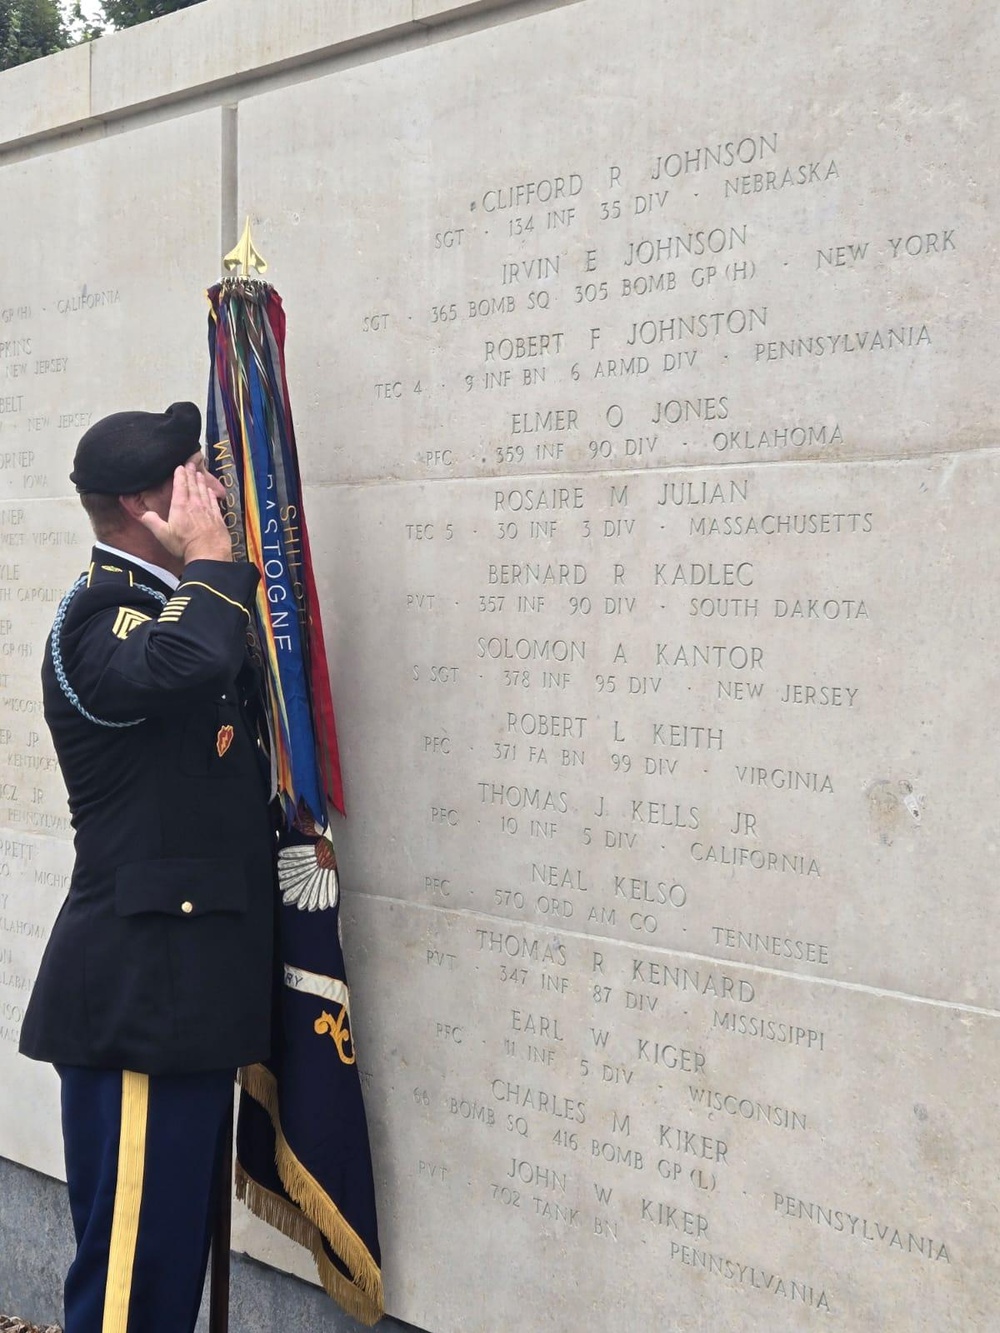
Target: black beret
{"x": 132, "y": 451}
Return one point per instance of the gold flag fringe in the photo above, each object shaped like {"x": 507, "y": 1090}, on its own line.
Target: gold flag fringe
{"x": 286, "y": 1218}
{"x": 319, "y": 1217}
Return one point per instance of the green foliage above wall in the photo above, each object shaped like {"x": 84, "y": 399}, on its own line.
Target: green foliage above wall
{"x": 33, "y": 28}
{"x": 29, "y": 29}
{"x": 127, "y": 13}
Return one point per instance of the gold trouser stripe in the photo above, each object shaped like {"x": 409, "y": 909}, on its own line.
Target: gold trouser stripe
{"x": 128, "y": 1200}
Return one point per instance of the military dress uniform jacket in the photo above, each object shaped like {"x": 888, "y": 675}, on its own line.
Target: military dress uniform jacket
{"x": 161, "y": 958}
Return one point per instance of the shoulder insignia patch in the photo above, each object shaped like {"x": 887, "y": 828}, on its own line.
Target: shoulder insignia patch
{"x": 127, "y": 620}
{"x": 224, "y": 739}
{"x": 113, "y": 569}
{"x": 173, "y": 610}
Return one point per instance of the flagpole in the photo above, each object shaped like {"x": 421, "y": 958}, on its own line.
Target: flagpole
{"x": 243, "y": 256}
{"x": 218, "y": 1307}
{"x": 324, "y": 1197}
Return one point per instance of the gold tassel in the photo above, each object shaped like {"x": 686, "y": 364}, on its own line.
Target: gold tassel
{"x": 319, "y": 1216}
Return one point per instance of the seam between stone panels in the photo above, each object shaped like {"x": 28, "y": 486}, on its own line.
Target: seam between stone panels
{"x": 881, "y": 992}
{"x": 229, "y": 177}
{"x": 393, "y": 479}
{"x": 613, "y": 474}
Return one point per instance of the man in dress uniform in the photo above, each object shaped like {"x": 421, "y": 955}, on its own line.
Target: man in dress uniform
{"x": 156, "y": 982}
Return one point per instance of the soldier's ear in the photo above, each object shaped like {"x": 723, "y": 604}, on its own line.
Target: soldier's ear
{"x": 134, "y": 505}
{"x": 152, "y": 499}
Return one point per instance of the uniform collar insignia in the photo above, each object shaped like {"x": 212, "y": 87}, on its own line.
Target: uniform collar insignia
{"x": 110, "y": 564}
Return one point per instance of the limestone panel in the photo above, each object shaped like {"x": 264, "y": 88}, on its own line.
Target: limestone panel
{"x": 571, "y": 1134}
{"x": 34, "y": 876}
{"x": 43, "y": 94}
{"x": 736, "y": 711}
{"x": 228, "y": 40}
{"x": 44, "y": 544}
{"x": 603, "y": 237}
{"x": 102, "y": 308}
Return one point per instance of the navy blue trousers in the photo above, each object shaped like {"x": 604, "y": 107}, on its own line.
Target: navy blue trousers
{"x": 142, "y": 1162}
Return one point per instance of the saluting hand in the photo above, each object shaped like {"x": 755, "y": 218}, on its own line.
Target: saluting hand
{"x": 194, "y": 529}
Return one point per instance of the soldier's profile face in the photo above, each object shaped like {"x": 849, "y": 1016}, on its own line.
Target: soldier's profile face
{"x": 158, "y": 498}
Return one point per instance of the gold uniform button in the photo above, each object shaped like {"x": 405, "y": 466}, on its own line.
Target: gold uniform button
{"x": 187, "y": 907}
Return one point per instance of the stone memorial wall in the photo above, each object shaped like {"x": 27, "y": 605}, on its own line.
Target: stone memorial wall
{"x": 642, "y": 359}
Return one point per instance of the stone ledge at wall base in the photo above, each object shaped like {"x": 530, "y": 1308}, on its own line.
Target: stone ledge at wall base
{"x": 36, "y": 1248}
{"x": 202, "y": 49}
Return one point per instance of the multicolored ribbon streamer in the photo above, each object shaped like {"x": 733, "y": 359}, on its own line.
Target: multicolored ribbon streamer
{"x": 303, "y": 1158}
{"x": 256, "y": 459}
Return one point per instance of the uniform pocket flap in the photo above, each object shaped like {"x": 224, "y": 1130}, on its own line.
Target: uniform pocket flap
{"x": 180, "y": 886}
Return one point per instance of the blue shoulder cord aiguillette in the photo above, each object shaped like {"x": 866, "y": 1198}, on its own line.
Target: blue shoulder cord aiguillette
{"x": 57, "y": 662}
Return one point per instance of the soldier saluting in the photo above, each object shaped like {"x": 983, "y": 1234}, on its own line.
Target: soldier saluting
{"x": 156, "y": 982}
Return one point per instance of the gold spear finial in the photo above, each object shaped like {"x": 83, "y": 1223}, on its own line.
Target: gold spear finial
{"x": 245, "y": 255}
